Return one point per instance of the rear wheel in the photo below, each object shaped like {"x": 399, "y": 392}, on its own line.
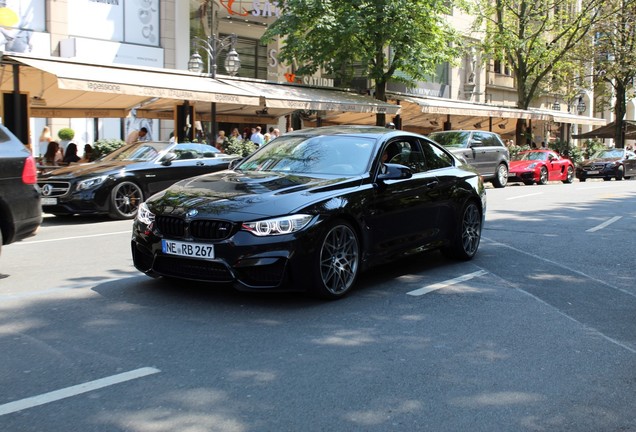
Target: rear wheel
{"x": 337, "y": 261}
{"x": 543, "y": 176}
{"x": 1, "y": 241}
{"x": 501, "y": 176}
{"x": 569, "y": 176}
{"x": 467, "y": 235}
{"x": 125, "y": 199}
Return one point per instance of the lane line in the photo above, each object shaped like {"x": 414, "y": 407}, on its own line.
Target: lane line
{"x": 524, "y": 196}
{"x": 440, "y": 285}
{"x": 75, "y": 390}
{"x": 604, "y": 224}
{"x": 71, "y": 238}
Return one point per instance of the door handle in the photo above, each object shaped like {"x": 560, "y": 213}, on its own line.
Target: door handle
{"x": 432, "y": 184}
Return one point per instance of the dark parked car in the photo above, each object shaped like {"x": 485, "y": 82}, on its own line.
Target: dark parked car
{"x": 615, "y": 163}
{"x": 485, "y": 151}
{"x": 540, "y": 166}
{"x": 311, "y": 210}
{"x": 120, "y": 181}
{"x": 20, "y": 210}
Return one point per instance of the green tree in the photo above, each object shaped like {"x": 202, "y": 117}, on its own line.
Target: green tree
{"x": 615, "y": 59}
{"x": 391, "y": 39}
{"x": 538, "y": 40}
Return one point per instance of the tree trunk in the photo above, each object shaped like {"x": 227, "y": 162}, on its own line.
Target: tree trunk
{"x": 619, "y": 112}
{"x": 380, "y": 94}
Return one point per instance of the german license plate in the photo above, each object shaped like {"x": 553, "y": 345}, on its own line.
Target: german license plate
{"x": 187, "y": 249}
{"x": 591, "y": 172}
{"x": 49, "y": 201}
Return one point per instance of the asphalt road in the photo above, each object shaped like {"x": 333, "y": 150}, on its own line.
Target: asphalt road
{"x": 537, "y": 333}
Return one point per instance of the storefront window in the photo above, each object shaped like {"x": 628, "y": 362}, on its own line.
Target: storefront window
{"x": 252, "y": 52}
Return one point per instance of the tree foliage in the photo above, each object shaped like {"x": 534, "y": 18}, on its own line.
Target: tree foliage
{"x": 383, "y": 37}
{"x": 615, "y": 59}
{"x": 538, "y": 40}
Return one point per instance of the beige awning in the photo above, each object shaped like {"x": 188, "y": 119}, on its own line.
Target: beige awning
{"x": 291, "y": 97}
{"x": 58, "y": 85}
{"x": 432, "y": 105}
{"x": 565, "y": 117}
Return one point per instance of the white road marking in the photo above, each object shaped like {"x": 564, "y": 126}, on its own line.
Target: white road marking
{"x": 440, "y": 285}
{"x": 75, "y": 390}
{"x": 524, "y": 196}
{"x": 604, "y": 224}
{"x": 72, "y": 238}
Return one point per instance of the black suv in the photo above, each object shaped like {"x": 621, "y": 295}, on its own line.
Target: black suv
{"x": 20, "y": 208}
{"x": 483, "y": 150}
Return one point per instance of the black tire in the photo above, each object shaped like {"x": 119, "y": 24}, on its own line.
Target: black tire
{"x": 337, "y": 261}
{"x": 607, "y": 178}
{"x": 465, "y": 242}
{"x": 125, "y": 198}
{"x": 620, "y": 173}
{"x": 1, "y": 242}
{"x": 569, "y": 176}
{"x": 543, "y": 176}
{"x": 582, "y": 179}
{"x": 501, "y": 176}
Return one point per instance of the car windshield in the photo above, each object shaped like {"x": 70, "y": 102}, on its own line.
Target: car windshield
{"x": 337, "y": 155}
{"x": 138, "y": 152}
{"x": 450, "y": 139}
{"x": 608, "y": 154}
{"x": 532, "y": 156}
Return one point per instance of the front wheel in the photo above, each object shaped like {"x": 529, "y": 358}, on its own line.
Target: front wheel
{"x": 620, "y": 172}
{"x": 465, "y": 242}
{"x": 569, "y": 177}
{"x": 501, "y": 176}
{"x": 543, "y": 176}
{"x": 125, "y": 199}
{"x": 338, "y": 261}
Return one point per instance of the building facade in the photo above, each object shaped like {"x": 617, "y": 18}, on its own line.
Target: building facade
{"x": 150, "y": 35}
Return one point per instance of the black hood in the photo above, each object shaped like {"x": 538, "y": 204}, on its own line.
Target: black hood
{"x": 228, "y": 194}
{"x": 86, "y": 170}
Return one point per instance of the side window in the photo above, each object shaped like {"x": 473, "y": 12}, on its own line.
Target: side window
{"x": 478, "y": 139}
{"x": 486, "y": 139}
{"x": 434, "y": 157}
{"x": 407, "y": 152}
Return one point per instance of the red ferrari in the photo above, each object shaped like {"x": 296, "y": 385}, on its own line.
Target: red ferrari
{"x": 540, "y": 166}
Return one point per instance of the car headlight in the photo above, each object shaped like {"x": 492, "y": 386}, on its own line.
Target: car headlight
{"x": 277, "y": 226}
{"x": 144, "y": 215}
{"x": 91, "y": 182}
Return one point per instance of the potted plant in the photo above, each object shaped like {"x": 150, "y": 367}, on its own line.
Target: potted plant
{"x": 65, "y": 135}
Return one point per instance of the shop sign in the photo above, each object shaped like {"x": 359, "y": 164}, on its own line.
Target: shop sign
{"x": 262, "y": 8}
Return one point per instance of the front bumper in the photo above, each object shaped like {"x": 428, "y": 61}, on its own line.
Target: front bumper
{"x": 92, "y": 201}
{"x": 597, "y": 172}
{"x": 523, "y": 176}
{"x": 250, "y": 263}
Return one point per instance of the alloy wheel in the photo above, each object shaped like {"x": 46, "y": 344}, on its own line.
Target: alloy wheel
{"x": 339, "y": 260}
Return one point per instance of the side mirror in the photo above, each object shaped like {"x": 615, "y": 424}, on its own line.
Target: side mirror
{"x": 234, "y": 163}
{"x": 168, "y": 158}
{"x": 391, "y": 171}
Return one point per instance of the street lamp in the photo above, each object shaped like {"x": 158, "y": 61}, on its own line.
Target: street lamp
{"x": 580, "y": 106}
{"x": 213, "y": 46}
